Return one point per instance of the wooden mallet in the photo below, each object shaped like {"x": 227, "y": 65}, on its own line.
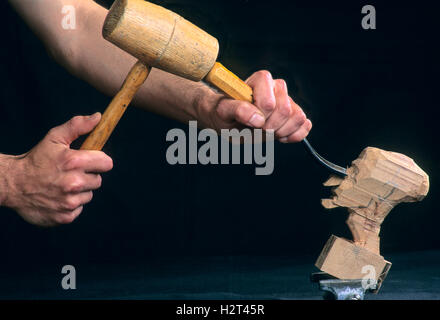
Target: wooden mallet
{"x": 161, "y": 39}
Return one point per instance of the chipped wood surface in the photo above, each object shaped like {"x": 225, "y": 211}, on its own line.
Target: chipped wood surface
{"x": 375, "y": 183}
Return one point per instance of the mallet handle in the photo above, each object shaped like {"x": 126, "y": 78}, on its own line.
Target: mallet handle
{"x": 99, "y": 136}
{"x": 229, "y": 83}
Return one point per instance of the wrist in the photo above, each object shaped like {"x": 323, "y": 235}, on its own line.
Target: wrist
{"x": 5, "y": 163}
{"x": 8, "y": 166}
{"x": 204, "y": 104}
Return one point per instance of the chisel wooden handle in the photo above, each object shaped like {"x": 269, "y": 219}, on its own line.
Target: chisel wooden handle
{"x": 99, "y": 136}
{"x": 229, "y": 83}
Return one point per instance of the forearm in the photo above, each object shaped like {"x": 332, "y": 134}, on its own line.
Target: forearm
{"x": 86, "y": 54}
{"x": 5, "y": 164}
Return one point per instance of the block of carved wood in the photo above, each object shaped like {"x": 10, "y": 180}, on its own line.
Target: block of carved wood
{"x": 375, "y": 183}
{"x": 344, "y": 260}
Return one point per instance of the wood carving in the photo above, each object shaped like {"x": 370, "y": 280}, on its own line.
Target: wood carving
{"x": 375, "y": 183}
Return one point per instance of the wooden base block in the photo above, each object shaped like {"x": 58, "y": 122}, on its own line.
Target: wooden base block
{"x": 345, "y": 260}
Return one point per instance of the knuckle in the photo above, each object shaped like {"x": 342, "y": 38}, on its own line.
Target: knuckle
{"x": 66, "y": 186}
{"x": 268, "y": 104}
{"x": 281, "y": 84}
{"x": 71, "y": 203}
{"x": 285, "y": 109}
{"x": 264, "y": 74}
{"x": 75, "y": 121}
{"x": 220, "y": 111}
{"x": 52, "y": 132}
{"x": 301, "y": 117}
{"x": 72, "y": 184}
{"x": 71, "y": 161}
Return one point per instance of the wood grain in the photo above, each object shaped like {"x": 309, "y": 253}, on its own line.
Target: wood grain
{"x": 345, "y": 260}
{"x": 161, "y": 38}
{"x": 376, "y": 182}
{"x": 99, "y": 136}
{"x": 229, "y": 83}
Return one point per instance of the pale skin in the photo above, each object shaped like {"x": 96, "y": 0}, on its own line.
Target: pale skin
{"x": 50, "y": 184}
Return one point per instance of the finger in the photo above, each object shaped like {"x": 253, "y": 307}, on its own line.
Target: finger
{"x": 90, "y": 161}
{"x": 85, "y": 182}
{"x": 68, "y": 216}
{"x": 262, "y": 85}
{"x": 283, "y": 108}
{"x": 75, "y": 127}
{"x": 241, "y": 111}
{"x": 296, "y": 120}
{"x": 74, "y": 201}
{"x": 84, "y": 197}
{"x": 300, "y": 134}
{"x": 76, "y": 182}
{"x": 92, "y": 181}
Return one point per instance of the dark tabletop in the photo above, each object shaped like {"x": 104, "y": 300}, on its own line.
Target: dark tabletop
{"x": 414, "y": 275}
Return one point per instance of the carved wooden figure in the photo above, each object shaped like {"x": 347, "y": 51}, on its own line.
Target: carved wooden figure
{"x": 375, "y": 183}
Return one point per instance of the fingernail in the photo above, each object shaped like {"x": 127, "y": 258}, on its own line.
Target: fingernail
{"x": 93, "y": 116}
{"x": 257, "y": 120}
{"x": 283, "y": 139}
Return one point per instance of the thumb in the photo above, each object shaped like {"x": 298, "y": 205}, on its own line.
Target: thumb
{"x": 240, "y": 111}
{"x": 75, "y": 127}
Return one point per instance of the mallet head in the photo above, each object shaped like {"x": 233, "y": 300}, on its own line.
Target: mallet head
{"x": 160, "y": 38}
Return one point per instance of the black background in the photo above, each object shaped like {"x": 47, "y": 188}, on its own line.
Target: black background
{"x": 359, "y": 87}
